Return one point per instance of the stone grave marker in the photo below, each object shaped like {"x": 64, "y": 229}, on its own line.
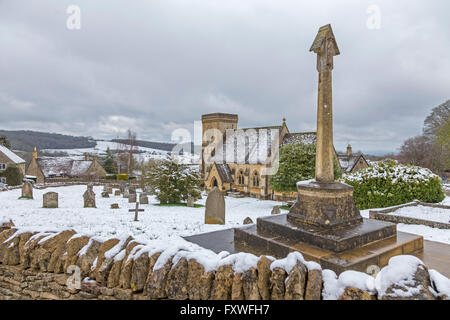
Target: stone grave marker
{"x": 190, "y": 202}
{"x": 105, "y": 194}
{"x": 117, "y": 192}
{"x": 248, "y": 220}
{"x": 89, "y": 197}
{"x": 132, "y": 190}
{"x": 136, "y": 211}
{"x": 132, "y": 198}
{"x": 27, "y": 191}
{"x": 125, "y": 193}
{"x": 114, "y": 206}
{"x": 275, "y": 210}
{"x": 50, "y": 200}
{"x": 143, "y": 198}
{"x": 215, "y": 207}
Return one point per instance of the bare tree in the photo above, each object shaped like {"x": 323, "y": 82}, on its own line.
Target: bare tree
{"x": 417, "y": 151}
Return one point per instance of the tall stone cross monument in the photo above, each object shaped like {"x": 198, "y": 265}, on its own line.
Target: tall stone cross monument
{"x": 326, "y": 48}
{"x": 324, "y": 202}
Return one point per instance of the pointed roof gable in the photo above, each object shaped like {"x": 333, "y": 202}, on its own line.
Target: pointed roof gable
{"x": 11, "y": 155}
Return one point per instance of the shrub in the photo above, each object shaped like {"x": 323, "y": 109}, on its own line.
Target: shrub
{"x": 111, "y": 177}
{"x": 297, "y": 163}
{"x": 386, "y": 184}
{"x": 13, "y": 176}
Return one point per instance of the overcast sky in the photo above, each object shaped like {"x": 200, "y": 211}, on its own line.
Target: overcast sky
{"x": 158, "y": 65}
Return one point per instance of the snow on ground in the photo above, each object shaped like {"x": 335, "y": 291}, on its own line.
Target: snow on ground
{"x": 143, "y": 155}
{"x": 428, "y": 233}
{"x": 425, "y": 213}
{"x": 156, "y": 222}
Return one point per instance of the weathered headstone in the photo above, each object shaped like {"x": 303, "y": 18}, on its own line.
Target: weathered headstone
{"x": 114, "y": 206}
{"x": 50, "y": 200}
{"x": 122, "y": 187}
{"x": 275, "y": 210}
{"x": 125, "y": 193}
{"x": 190, "y": 202}
{"x": 109, "y": 190}
{"x": 117, "y": 192}
{"x": 89, "y": 197}
{"x": 132, "y": 198}
{"x": 215, "y": 207}
{"x": 143, "y": 198}
{"x": 27, "y": 190}
{"x": 248, "y": 220}
{"x": 132, "y": 190}
{"x": 105, "y": 194}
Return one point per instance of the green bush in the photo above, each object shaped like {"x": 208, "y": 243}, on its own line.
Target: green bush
{"x": 13, "y": 176}
{"x": 297, "y": 163}
{"x": 386, "y": 184}
{"x": 111, "y": 177}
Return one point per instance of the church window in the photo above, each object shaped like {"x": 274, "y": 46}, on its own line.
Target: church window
{"x": 241, "y": 177}
{"x": 256, "y": 179}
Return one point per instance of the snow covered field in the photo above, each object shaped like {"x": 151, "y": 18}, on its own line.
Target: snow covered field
{"x": 156, "y": 222}
{"x": 143, "y": 155}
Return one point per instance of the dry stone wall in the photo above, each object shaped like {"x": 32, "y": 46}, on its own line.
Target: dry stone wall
{"x": 66, "y": 265}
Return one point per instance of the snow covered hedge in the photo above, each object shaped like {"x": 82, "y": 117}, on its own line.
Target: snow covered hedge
{"x": 389, "y": 184}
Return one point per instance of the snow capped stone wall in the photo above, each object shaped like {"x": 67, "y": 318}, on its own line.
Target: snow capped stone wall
{"x": 66, "y": 265}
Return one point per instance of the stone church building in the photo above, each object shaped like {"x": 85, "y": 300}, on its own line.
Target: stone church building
{"x": 244, "y": 170}
{"x": 47, "y": 168}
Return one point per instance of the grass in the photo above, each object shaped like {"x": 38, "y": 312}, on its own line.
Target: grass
{"x": 285, "y": 208}
{"x": 178, "y": 205}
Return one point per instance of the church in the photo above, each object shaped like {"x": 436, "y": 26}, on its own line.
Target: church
{"x": 243, "y": 168}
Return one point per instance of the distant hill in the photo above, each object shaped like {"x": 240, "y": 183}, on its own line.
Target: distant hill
{"x": 165, "y": 146}
{"x": 27, "y": 140}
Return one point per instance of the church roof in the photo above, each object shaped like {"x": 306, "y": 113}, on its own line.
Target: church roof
{"x": 299, "y": 137}
{"x": 11, "y": 155}
{"x": 224, "y": 172}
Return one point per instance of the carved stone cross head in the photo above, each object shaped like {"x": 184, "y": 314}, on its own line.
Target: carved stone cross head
{"x": 325, "y": 47}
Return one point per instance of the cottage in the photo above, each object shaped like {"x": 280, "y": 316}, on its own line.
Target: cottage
{"x": 352, "y": 162}
{"x": 9, "y": 158}
{"x": 47, "y": 168}
{"x": 240, "y": 164}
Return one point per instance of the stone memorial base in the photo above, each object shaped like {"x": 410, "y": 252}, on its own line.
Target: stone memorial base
{"x": 248, "y": 239}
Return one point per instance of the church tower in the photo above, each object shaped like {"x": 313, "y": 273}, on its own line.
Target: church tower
{"x": 220, "y": 122}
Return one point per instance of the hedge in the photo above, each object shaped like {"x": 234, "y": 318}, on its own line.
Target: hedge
{"x": 389, "y": 184}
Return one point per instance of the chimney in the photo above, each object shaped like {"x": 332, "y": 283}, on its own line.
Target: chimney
{"x": 86, "y": 156}
{"x": 349, "y": 150}
{"x": 95, "y": 158}
{"x": 35, "y": 153}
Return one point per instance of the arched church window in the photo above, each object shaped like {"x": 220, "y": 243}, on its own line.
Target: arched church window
{"x": 256, "y": 179}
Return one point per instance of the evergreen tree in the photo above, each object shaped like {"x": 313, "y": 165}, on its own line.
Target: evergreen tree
{"x": 5, "y": 142}
{"x": 171, "y": 181}
{"x": 108, "y": 163}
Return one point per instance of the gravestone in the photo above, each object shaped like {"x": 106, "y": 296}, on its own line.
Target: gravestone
{"x": 50, "y": 200}
{"x": 248, "y": 220}
{"x": 105, "y": 194}
{"x": 117, "y": 192}
{"x": 125, "y": 193}
{"x": 143, "y": 198}
{"x": 27, "y": 190}
{"x": 215, "y": 207}
{"x": 109, "y": 190}
{"x": 122, "y": 187}
{"x": 190, "y": 202}
{"x": 114, "y": 206}
{"x": 89, "y": 197}
{"x": 275, "y": 210}
{"x": 132, "y": 198}
{"x": 132, "y": 190}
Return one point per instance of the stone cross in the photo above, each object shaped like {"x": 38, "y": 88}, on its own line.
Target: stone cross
{"x": 326, "y": 48}
{"x": 136, "y": 211}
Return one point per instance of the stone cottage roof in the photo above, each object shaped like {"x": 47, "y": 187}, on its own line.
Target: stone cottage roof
{"x": 348, "y": 162}
{"x": 57, "y": 166}
{"x": 11, "y": 155}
